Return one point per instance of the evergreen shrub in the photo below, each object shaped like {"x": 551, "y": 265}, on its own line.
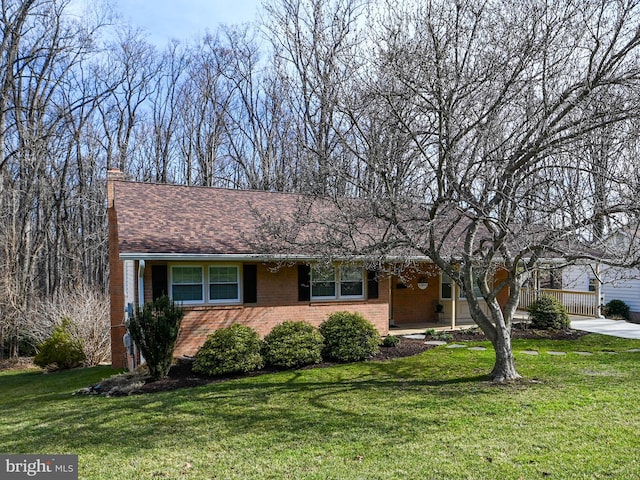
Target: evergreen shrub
{"x": 293, "y": 344}
{"x": 349, "y": 337}
{"x": 390, "y": 341}
{"x": 154, "y": 329}
{"x": 547, "y": 313}
{"x": 60, "y": 351}
{"x": 235, "y": 349}
{"x": 617, "y": 308}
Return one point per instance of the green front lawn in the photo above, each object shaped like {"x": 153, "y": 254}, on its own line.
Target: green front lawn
{"x": 430, "y": 416}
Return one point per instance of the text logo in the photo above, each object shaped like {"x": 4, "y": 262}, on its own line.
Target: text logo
{"x": 50, "y": 467}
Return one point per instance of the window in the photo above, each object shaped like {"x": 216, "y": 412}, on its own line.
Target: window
{"x": 344, "y": 282}
{"x": 476, "y": 289}
{"x": 351, "y": 281}
{"x": 224, "y": 284}
{"x": 593, "y": 284}
{"x": 187, "y": 284}
{"x": 323, "y": 282}
{"x": 446, "y": 286}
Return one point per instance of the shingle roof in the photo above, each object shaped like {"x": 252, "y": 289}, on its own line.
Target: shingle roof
{"x": 165, "y": 219}
{"x": 181, "y": 220}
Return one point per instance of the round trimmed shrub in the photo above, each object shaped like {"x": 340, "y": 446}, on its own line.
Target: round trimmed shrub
{"x": 390, "y": 341}
{"x": 235, "y": 349}
{"x": 617, "y": 308}
{"x": 60, "y": 351}
{"x": 547, "y": 313}
{"x": 293, "y": 344}
{"x": 349, "y": 337}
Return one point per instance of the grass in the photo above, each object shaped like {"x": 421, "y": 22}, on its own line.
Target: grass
{"x": 431, "y": 416}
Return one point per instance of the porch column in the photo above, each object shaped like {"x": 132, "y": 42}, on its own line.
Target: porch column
{"x": 599, "y": 296}
{"x": 454, "y": 304}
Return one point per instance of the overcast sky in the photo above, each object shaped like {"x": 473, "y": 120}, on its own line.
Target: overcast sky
{"x": 182, "y": 19}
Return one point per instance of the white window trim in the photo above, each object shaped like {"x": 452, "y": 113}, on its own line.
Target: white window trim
{"x": 171, "y": 284}
{"x": 206, "y": 283}
{"x": 225, "y": 301}
{"x": 363, "y": 281}
{"x": 338, "y": 283}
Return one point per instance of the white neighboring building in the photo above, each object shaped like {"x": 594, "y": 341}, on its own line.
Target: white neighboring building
{"x": 617, "y": 284}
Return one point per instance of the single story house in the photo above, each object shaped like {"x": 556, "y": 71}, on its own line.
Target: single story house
{"x": 197, "y": 244}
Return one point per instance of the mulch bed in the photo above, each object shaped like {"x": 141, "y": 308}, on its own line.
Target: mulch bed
{"x": 181, "y": 376}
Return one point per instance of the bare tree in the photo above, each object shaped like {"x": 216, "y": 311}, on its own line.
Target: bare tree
{"x": 130, "y": 75}
{"x": 87, "y": 310}
{"x": 41, "y": 49}
{"x": 466, "y": 132}
{"x": 316, "y": 42}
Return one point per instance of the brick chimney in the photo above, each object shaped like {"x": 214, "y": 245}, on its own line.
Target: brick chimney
{"x": 113, "y": 175}
{"x": 116, "y": 275}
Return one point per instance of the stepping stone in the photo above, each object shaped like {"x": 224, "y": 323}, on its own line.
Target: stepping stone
{"x": 557, "y": 353}
{"x": 583, "y": 353}
{"x": 611, "y": 353}
{"x": 415, "y": 336}
{"x": 530, "y": 352}
{"x": 456, "y": 345}
{"x": 477, "y": 349}
{"x": 437, "y": 343}
{"x": 633, "y": 350}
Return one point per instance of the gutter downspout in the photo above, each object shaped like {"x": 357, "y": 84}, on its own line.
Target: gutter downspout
{"x": 141, "y": 267}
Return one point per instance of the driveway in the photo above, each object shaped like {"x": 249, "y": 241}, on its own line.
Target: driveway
{"x": 615, "y": 328}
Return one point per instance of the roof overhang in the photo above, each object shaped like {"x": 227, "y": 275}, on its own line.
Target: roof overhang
{"x": 248, "y": 257}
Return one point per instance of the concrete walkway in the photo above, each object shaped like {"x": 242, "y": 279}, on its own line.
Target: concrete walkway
{"x": 615, "y": 328}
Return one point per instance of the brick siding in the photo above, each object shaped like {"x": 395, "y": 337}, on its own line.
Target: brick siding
{"x": 277, "y": 302}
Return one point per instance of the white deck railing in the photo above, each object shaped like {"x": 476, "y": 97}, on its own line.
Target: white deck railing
{"x": 576, "y": 303}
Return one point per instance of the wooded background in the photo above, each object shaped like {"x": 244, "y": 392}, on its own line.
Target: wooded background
{"x": 333, "y": 97}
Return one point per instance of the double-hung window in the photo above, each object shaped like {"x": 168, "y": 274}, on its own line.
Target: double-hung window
{"x": 187, "y": 284}
{"x": 351, "y": 281}
{"x": 323, "y": 282}
{"x": 224, "y": 284}
{"x": 333, "y": 283}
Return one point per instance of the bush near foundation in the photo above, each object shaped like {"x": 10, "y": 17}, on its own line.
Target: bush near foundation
{"x": 154, "y": 329}
{"x": 235, "y": 349}
{"x": 617, "y": 308}
{"x": 349, "y": 337}
{"x": 390, "y": 341}
{"x": 293, "y": 344}
{"x": 60, "y": 351}
{"x": 547, "y": 313}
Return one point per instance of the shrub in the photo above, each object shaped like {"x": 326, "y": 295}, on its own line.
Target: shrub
{"x": 616, "y": 308}
{"x": 229, "y": 350}
{"x": 88, "y": 310}
{"x": 154, "y": 329}
{"x": 60, "y": 351}
{"x": 547, "y": 313}
{"x": 390, "y": 341}
{"x": 293, "y": 344}
{"x": 442, "y": 336}
{"x": 349, "y": 337}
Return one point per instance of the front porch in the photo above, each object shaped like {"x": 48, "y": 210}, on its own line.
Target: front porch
{"x": 519, "y": 317}
{"x": 461, "y": 324}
